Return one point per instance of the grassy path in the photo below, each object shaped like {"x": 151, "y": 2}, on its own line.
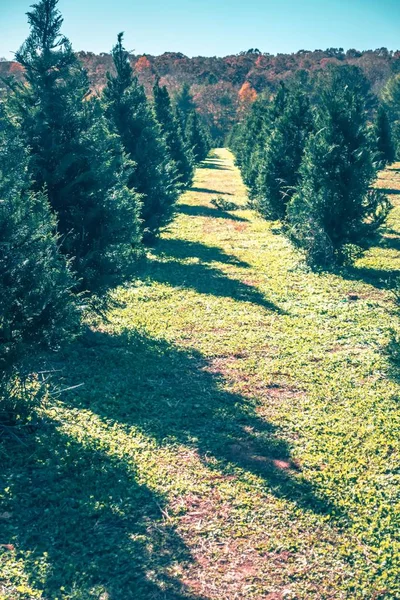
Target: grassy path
{"x": 237, "y": 433}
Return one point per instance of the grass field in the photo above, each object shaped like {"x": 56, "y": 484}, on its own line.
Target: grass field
{"x": 236, "y": 435}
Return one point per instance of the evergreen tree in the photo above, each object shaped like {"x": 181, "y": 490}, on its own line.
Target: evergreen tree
{"x": 279, "y": 104}
{"x": 249, "y": 141}
{"x": 197, "y": 137}
{"x": 178, "y": 148}
{"x": 36, "y": 302}
{"x": 184, "y": 105}
{"x": 73, "y": 154}
{"x": 383, "y": 139}
{"x": 391, "y": 102}
{"x": 154, "y": 175}
{"x": 279, "y": 163}
{"x": 334, "y": 208}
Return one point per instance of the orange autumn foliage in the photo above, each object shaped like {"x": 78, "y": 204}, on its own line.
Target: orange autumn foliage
{"x": 15, "y": 67}
{"x": 142, "y": 64}
{"x": 247, "y": 95}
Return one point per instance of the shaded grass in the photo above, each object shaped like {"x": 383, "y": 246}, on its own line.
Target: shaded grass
{"x": 209, "y": 191}
{"x": 85, "y": 526}
{"x": 202, "y": 278}
{"x": 208, "y": 211}
{"x": 184, "y": 249}
{"x": 236, "y": 435}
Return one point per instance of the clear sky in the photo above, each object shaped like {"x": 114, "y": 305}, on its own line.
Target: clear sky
{"x": 211, "y": 27}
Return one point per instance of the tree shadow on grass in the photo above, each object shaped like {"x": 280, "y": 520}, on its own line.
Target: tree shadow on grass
{"x": 207, "y": 211}
{"x": 78, "y": 507}
{"x": 204, "y": 279}
{"x": 393, "y": 356}
{"x": 182, "y": 249}
{"x": 83, "y": 525}
{"x": 389, "y": 238}
{"x": 389, "y": 191}
{"x": 176, "y": 396}
{"x": 380, "y": 278}
{"x": 208, "y": 191}
{"x": 214, "y": 163}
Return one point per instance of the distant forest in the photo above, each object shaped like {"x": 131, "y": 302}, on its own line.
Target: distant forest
{"x": 223, "y": 87}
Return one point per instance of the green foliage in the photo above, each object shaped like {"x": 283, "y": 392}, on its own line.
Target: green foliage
{"x": 178, "y": 148}
{"x": 222, "y": 204}
{"x": 154, "y": 174}
{"x": 391, "y": 101}
{"x": 269, "y": 146}
{"x": 334, "y": 208}
{"x": 184, "y": 105}
{"x": 383, "y": 138}
{"x": 74, "y": 155}
{"x": 36, "y": 302}
{"x": 196, "y": 136}
{"x": 391, "y": 97}
{"x": 248, "y": 140}
{"x": 279, "y": 162}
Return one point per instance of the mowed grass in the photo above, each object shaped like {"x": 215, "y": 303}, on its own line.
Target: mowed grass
{"x": 236, "y": 435}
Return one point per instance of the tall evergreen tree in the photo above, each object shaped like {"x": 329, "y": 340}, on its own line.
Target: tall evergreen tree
{"x": 279, "y": 104}
{"x": 154, "y": 175}
{"x": 36, "y": 302}
{"x": 185, "y": 105}
{"x": 279, "y": 163}
{"x": 73, "y": 154}
{"x": 249, "y": 141}
{"x": 197, "y": 137}
{"x": 334, "y": 208}
{"x": 383, "y": 138}
{"x": 391, "y": 102}
{"x": 178, "y": 147}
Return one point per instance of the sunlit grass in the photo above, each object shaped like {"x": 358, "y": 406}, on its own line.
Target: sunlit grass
{"x": 236, "y": 435}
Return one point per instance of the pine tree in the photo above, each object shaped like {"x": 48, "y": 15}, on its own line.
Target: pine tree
{"x": 184, "y": 105}
{"x": 249, "y": 141}
{"x": 197, "y": 137}
{"x": 279, "y": 104}
{"x": 391, "y": 101}
{"x": 179, "y": 151}
{"x": 383, "y": 139}
{"x": 73, "y": 153}
{"x": 334, "y": 209}
{"x": 279, "y": 163}
{"x": 36, "y": 302}
{"x": 154, "y": 175}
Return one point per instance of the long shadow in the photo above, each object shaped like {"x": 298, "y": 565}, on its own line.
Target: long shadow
{"x": 390, "y": 191}
{"x": 77, "y": 512}
{"x": 210, "y": 163}
{"x": 207, "y": 211}
{"x": 393, "y": 355}
{"x": 183, "y": 249}
{"x": 174, "y": 396}
{"x": 204, "y": 279}
{"x": 85, "y": 526}
{"x": 208, "y": 191}
{"x": 392, "y": 243}
{"x": 379, "y": 278}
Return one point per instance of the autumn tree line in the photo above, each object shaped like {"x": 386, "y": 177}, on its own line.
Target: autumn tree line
{"x": 310, "y": 157}
{"x": 85, "y": 181}
{"x": 222, "y": 86}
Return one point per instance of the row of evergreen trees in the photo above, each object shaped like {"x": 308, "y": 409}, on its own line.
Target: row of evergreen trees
{"x": 85, "y": 179}
{"x": 310, "y": 157}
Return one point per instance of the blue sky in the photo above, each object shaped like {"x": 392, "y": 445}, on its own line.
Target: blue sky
{"x": 209, "y": 27}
